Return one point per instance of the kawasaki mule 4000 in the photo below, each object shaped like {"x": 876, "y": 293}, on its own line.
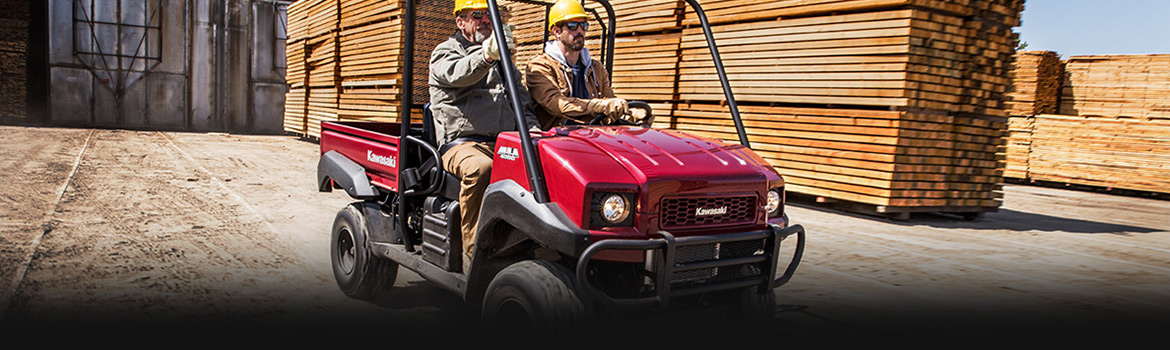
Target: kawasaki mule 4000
{"x": 578, "y": 220}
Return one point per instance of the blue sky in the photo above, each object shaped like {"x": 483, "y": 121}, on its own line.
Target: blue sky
{"x": 1096, "y": 27}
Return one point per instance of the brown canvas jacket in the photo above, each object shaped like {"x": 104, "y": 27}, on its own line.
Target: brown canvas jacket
{"x": 548, "y": 80}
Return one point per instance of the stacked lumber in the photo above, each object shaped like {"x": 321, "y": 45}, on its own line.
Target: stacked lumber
{"x": 1019, "y": 146}
{"x": 645, "y": 62}
{"x": 726, "y": 11}
{"x": 893, "y": 159}
{"x": 1036, "y": 78}
{"x": 14, "y": 36}
{"x": 345, "y": 60}
{"x": 1112, "y": 129}
{"x": 905, "y": 58}
{"x": 1123, "y": 153}
{"x": 635, "y": 17}
{"x": 645, "y": 67}
{"x": 370, "y": 51}
{"x": 1117, "y": 86}
{"x": 896, "y": 105}
{"x": 312, "y": 96}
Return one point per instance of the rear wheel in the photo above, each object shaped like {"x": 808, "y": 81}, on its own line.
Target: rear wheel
{"x": 533, "y": 300}
{"x": 359, "y": 273}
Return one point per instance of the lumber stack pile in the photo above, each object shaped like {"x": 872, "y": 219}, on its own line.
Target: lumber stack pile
{"x": 1112, "y": 130}
{"x": 1036, "y": 80}
{"x": 645, "y": 62}
{"x": 897, "y": 105}
{"x": 900, "y": 159}
{"x": 14, "y": 36}
{"x": 1019, "y": 146}
{"x": 1117, "y": 86}
{"x": 345, "y": 59}
{"x": 908, "y": 58}
{"x": 1124, "y": 153}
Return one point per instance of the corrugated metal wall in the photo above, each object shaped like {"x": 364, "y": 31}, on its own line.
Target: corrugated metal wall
{"x": 188, "y": 65}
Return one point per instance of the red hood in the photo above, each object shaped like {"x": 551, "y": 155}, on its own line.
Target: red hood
{"x": 654, "y": 154}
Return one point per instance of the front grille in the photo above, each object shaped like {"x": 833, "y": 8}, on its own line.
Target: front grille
{"x": 717, "y": 251}
{"x": 684, "y": 213}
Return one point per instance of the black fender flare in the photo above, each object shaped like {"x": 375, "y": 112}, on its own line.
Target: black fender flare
{"x": 335, "y": 168}
{"x": 507, "y": 203}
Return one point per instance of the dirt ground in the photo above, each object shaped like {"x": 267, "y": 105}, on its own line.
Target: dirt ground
{"x": 133, "y": 236}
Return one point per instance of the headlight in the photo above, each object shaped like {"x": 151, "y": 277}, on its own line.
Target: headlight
{"x": 773, "y": 202}
{"x": 614, "y": 208}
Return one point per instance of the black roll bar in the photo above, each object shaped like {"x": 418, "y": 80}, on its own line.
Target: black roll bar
{"x": 531, "y": 159}
{"x": 404, "y": 111}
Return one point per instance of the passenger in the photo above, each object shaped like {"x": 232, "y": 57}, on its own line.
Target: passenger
{"x": 470, "y": 106}
{"x": 570, "y": 85}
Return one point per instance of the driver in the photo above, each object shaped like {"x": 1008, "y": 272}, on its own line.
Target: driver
{"x": 571, "y": 86}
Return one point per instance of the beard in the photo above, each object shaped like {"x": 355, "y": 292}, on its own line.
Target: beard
{"x": 574, "y": 43}
{"x": 479, "y": 37}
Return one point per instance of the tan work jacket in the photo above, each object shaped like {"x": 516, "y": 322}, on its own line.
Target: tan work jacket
{"x": 549, "y": 80}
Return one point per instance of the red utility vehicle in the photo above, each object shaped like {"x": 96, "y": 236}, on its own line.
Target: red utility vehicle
{"x": 577, "y": 220}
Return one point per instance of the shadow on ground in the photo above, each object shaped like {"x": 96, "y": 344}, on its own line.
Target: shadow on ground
{"x": 1004, "y": 219}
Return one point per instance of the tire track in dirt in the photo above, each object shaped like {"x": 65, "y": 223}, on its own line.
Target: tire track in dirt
{"x": 21, "y": 267}
{"x": 157, "y": 245}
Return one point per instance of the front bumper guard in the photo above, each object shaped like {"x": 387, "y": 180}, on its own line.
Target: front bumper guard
{"x": 663, "y": 272}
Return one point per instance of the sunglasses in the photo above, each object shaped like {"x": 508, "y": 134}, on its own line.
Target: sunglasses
{"x": 474, "y": 14}
{"x": 575, "y": 25}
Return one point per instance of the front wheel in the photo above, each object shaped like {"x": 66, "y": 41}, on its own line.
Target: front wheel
{"x": 751, "y": 307}
{"x": 359, "y": 273}
{"x": 534, "y": 300}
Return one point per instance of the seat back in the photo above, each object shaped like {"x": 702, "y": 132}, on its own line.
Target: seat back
{"x": 450, "y": 186}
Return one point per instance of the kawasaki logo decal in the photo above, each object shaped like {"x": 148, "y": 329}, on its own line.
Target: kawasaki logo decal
{"x": 380, "y": 159}
{"x": 710, "y": 211}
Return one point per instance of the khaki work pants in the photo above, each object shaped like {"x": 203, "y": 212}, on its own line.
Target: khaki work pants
{"x": 471, "y": 162}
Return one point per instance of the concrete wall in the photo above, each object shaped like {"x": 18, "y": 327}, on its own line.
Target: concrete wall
{"x": 218, "y": 65}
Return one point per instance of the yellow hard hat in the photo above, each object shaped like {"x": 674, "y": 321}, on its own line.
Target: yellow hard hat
{"x": 565, "y": 10}
{"x": 469, "y": 4}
